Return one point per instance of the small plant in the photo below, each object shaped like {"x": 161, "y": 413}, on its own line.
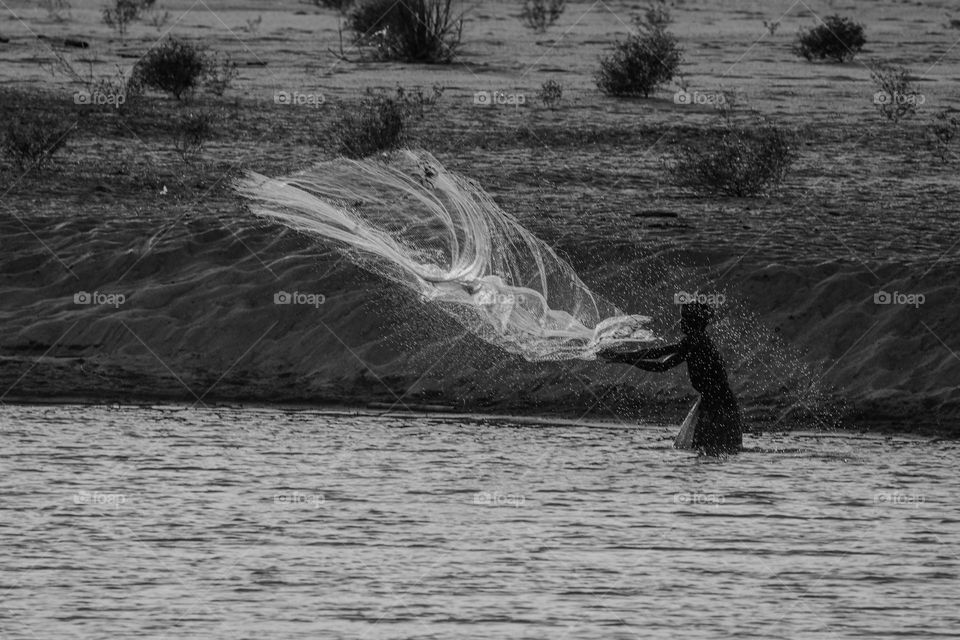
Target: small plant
{"x": 173, "y": 66}
{"x": 123, "y": 12}
{"x": 219, "y": 72}
{"x": 32, "y": 139}
{"x": 646, "y": 60}
{"x": 193, "y": 131}
{"x": 370, "y": 15}
{"x": 116, "y": 90}
{"x": 55, "y": 9}
{"x": 540, "y": 14}
{"x": 252, "y": 25}
{"x": 418, "y": 101}
{"x": 740, "y": 162}
{"x": 119, "y": 90}
{"x": 836, "y": 38}
{"x": 408, "y": 31}
{"x": 381, "y": 122}
{"x": 726, "y": 104}
{"x": 159, "y": 20}
{"x": 551, "y": 93}
{"x": 378, "y": 125}
{"x": 339, "y": 5}
{"x": 895, "y": 98}
{"x": 941, "y": 133}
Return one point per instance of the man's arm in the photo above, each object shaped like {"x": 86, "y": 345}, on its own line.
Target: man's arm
{"x": 657, "y": 352}
{"x": 658, "y": 365}
{"x": 647, "y": 359}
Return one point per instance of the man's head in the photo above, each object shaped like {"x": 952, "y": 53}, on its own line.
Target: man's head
{"x": 695, "y": 316}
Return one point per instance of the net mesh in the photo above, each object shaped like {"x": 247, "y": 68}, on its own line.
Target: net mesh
{"x": 411, "y": 221}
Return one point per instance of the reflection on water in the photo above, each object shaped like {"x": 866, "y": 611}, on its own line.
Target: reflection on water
{"x": 174, "y": 522}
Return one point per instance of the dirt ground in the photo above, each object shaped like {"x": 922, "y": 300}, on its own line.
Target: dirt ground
{"x": 869, "y": 207}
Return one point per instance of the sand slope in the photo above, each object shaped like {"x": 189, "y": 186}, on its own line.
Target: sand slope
{"x": 199, "y": 323}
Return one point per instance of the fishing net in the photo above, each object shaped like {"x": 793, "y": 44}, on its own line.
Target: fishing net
{"x": 411, "y": 221}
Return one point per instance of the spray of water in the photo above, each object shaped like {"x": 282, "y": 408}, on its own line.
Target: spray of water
{"x": 408, "y": 219}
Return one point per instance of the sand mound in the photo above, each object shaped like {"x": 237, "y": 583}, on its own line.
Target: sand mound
{"x": 190, "y": 314}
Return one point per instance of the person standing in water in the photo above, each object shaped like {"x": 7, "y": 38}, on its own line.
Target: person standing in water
{"x": 715, "y": 418}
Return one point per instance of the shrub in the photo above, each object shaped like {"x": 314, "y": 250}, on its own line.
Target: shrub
{"x": 370, "y": 15}
{"x": 339, "y": 5}
{"x": 941, "y": 133}
{"x": 550, "y": 94}
{"x": 193, "y": 131}
{"x": 381, "y": 121}
{"x": 119, "y": 16}
{"x": 540, "y": 14}
{"x": 726, "y": 104}
{"x": 118, "y": 89}
{"x": 219, "y": 72}
{"x": 895, "y": 98}
{"x": 837, "y": 38}
{"x": 31, "y": 139}
{"x": 55, "y": 9}
{"x": 409, "y": 31}
{"x": 645, "y": 60}
{"x": 159, "y": 20}
{"x": 173, "y": 66}
{"x": 253, "y": 25}
{"x": 740, "y": 162}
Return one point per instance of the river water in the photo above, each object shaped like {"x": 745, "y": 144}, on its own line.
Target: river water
{"x": 174, "y": 522}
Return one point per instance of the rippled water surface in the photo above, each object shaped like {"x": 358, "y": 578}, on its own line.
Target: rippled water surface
{"x": 183, "y": 523}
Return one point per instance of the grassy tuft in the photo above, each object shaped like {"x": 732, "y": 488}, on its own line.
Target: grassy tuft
{"x": 644, "y": 61}
{"x": 736, "y": 161}
{"x": 408, "y": 31}
{"x": 32, "y": 138}
{"x": 541, "y": 14}
{"x": 836, "y": 38}
{"x": 381, "y": 122}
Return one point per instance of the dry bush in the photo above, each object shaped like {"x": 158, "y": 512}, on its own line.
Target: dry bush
{"x": 408, "y": 31}
{"x": 737, "y": 161}
{"x": 644, "y": 61}
{"x": 837, "y": 38}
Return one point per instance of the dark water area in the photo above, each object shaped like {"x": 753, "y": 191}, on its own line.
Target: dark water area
{"x": 261, "y": 523}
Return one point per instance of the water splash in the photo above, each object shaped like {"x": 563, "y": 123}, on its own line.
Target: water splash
{"x": 411, "y": 221}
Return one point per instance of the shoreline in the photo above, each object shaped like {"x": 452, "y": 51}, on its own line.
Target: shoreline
{"x": 878, "y": 426}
